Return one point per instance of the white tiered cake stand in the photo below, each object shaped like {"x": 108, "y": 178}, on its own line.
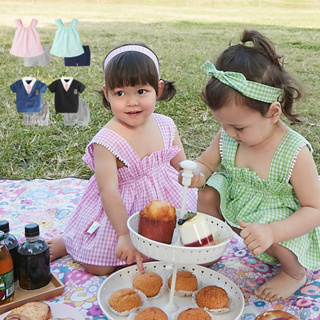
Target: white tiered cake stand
{"x": 173, "y": 257}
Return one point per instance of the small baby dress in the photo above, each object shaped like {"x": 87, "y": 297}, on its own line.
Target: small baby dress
{"x": 26, "y": 41}
{"x": 245, "y": 196}
{"x": 140, "y": 181}
{"x": 67, "y": 41}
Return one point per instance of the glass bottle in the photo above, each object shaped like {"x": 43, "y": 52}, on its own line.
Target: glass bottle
{"x": 34, "y": 260}
{"x": 12, "y": 244}
{"x": 6, "y": 273}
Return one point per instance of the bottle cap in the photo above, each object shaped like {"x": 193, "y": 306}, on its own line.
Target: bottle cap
{"x": 31, "y": 230}
{"x": 4, "y": 226}
{"x": 2, "y": 234}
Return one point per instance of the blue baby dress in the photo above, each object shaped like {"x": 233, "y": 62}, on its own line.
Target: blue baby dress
{"x": 67, "y": 41}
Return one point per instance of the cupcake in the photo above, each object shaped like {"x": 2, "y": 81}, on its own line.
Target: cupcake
{"x": 125, "y": 300}
{"x": 212, "y": 297}
{"x": 149, "y": 283}
{"x": 151, "y": 313}
{"x": 194, "y": 314}
{"x": 186, "y": 281}
{"x": 157, "y": 221}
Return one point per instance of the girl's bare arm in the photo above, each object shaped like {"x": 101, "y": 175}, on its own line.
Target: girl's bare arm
{"x": 306, "y": 185}
{"x": 181, "y": 155}
{"x": 207, "y": 163}
{"x": 259, "y": 237}
{"x": 106, "y": 172}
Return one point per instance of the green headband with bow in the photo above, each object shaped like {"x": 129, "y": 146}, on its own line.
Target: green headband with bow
{"x": 238, "y": 81}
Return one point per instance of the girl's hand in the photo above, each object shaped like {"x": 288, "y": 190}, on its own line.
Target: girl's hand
{"x": 197, "y": 181}
{"x": 257, "y": 237}
{"x": 127, "y": 252}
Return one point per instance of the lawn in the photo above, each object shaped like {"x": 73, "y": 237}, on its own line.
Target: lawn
{"x": 183, "y": 34}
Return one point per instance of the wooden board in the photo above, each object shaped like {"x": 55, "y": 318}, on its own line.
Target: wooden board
{"x": 54, "y": 288}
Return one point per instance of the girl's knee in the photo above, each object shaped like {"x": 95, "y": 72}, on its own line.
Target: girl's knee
{"x": 209, "y": 194}
{"x": 209, "y": 202}
{"x": 99, "y": 270}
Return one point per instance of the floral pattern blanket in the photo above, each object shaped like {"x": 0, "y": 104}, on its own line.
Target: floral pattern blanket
{"x": 50, "y": 204}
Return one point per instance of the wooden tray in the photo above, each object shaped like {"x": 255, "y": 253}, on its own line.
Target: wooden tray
{"x": 54, "y": 288}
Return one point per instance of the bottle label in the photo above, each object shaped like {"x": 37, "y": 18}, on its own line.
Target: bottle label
{"x": 6, "y": 285}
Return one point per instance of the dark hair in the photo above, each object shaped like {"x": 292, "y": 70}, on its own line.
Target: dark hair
{"x": 259, "y": 63}
{"x": 131, "y": 68}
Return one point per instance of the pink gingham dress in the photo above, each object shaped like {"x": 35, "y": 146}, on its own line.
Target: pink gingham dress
{"x": 26, "y": 41}
{"x": 140, "y": 181}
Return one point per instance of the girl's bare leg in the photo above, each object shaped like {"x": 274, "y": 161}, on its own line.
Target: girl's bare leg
{"x": 99, "y": 270}
{"x": 57, "y": 248}
{"x": 289, "y": 279}
{"x": 209, "y": 202}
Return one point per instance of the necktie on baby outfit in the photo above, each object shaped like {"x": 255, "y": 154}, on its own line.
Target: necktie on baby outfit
{"x": 29, "y": 88}
{"x": 67, "y": 87}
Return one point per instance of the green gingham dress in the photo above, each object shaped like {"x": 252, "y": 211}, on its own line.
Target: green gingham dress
{"x": 245, "y": 196}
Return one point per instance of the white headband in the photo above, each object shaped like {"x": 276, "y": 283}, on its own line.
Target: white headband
{"x": 133, "y": 47}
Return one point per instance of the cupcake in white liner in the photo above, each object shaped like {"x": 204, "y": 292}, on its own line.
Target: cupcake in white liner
{"x": 150, "y": 313}
{"x": 199, "y": 313}
{"x": 213, "y": 299}
{"x": 124, "y": 301}
{"x": 150, "y": 284}
{"x": 186, "y": 283}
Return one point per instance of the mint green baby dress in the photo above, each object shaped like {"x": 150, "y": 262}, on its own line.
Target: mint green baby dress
{"x": 245, "y": 196}
{"x": 67, "y": 41}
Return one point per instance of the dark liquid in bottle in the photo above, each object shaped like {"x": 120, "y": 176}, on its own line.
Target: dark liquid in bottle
{"x": 34, "y": 265}
{"x": 12, "y": 246}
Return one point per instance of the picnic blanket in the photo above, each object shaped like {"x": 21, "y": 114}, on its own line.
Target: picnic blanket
{"x": 50, "y": 203}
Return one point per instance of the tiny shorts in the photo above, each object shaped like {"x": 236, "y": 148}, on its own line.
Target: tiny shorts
{"x": 80, "y": 61}
{"x": 41, "y": 118}
{"x": 42, "y": 61}
{"x": 82, "y": 116}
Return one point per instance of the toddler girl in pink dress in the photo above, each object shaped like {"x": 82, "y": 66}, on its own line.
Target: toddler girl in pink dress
{"x": 135, "y": 158}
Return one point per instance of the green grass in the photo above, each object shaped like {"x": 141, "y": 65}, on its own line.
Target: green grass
{"x": 182, "y": 34}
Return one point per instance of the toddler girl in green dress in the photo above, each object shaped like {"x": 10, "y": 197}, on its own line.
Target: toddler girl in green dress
{"x": 269, "y": 192}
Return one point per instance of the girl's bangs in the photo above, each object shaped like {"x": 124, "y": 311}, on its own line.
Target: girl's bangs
{"x": 131, "y": 70}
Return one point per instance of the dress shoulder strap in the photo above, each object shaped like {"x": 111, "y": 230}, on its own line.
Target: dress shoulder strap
{"x": 18, "y": 23}
{"x": 167, "y": 129}
{"x": 74, "y": 23}
{"x": 34, "y": 22}
{"x": 113, "y": 142}
{"x": 285, "y": 156}
{"x": 227, "y": 148}
{"x": 58, "y": 22}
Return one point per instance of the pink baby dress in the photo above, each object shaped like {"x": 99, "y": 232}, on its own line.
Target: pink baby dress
{"x": 140, "y": 181}
{"x": 26, "y": 42}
